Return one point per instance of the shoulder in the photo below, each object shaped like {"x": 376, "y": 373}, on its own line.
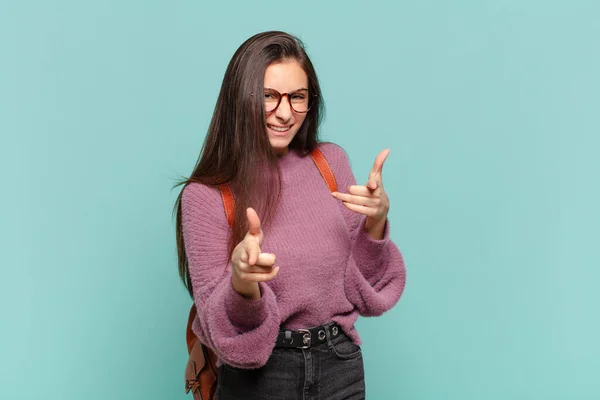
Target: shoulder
{"x": 195, "y": 192}
{"x": 333, "y": 151}
{"x": 336, "y": 156}
{"x": 199, "y": 198}
{"x": 203, "y": 221}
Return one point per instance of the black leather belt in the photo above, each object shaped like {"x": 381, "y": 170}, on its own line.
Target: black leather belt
{"x": 305, "y": 338}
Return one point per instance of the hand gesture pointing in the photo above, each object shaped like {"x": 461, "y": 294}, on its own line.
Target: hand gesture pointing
{"x": 370, "y": 199}
{"x": 249, "y": 264}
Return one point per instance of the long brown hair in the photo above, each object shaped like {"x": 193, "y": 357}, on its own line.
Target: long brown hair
{"x": 237, "y": 150}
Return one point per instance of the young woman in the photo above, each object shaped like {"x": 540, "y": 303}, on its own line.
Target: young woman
{"x": 278, "y": 294}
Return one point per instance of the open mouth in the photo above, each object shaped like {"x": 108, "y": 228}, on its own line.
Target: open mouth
{"x": 281, "y": 129}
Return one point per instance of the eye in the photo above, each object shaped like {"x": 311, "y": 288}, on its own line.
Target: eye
{"x": 298, "y": 97}
{"x": 271, "y": 94}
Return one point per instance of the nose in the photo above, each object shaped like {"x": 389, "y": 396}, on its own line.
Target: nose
{"x": 284, "y": 111}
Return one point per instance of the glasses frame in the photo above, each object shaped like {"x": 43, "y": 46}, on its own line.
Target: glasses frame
{"x": 289, "y": 100}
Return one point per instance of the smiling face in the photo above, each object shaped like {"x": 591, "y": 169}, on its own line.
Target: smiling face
{"x": 283, "y": 123}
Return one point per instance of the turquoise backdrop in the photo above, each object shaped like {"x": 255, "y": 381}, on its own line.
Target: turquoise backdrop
{"x": 491, "y": 112}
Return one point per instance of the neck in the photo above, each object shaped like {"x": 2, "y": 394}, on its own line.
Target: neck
{"x": 282, "y": 152}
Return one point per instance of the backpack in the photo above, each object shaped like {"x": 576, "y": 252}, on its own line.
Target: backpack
{"x": 201, "y": 370}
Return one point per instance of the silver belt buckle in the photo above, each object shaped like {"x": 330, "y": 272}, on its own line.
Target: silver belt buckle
{"x": 305, "y": 338}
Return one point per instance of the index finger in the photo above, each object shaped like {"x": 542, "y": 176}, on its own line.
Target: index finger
{"x": 378, "y": 165}
{"x": 253, "y": 221}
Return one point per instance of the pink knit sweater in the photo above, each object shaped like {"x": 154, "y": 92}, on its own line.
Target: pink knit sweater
{"x": 330, "y": 268}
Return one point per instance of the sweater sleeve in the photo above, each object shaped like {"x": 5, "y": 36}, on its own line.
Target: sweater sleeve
{"x": 242, "y": 332}
{"x": 375, "y": 275}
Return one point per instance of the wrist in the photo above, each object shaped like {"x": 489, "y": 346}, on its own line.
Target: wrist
{"x": 375, "y": 228}
{"x": 249, "y": 290}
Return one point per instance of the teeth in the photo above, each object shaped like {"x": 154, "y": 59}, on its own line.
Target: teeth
{"x": 279, "y": 129}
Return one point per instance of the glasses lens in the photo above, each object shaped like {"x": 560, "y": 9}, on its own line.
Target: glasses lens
{"x": 299, "y": 101}
{"x": 271, "y": 100}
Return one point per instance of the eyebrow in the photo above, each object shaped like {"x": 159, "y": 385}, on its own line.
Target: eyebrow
{"x": 297, "y": 90}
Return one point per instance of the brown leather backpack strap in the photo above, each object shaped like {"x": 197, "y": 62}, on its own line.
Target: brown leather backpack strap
{"x": 197, "y": 359}
{"x": 190, "y": 336}
{"x": 323, "y": 166}
{"x": 228, "y": 203}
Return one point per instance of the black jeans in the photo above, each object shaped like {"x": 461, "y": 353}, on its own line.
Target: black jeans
{"x": 330, "y": 371}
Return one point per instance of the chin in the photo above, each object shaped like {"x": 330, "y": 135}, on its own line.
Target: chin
{"x": 279, "y": 148}
{"x": 280, "y": 144}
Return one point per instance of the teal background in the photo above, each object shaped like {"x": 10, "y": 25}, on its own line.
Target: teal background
{"x": 490, "y": 109}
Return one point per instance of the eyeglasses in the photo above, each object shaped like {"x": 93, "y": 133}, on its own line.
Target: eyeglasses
{"x": 299, "y": 100}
